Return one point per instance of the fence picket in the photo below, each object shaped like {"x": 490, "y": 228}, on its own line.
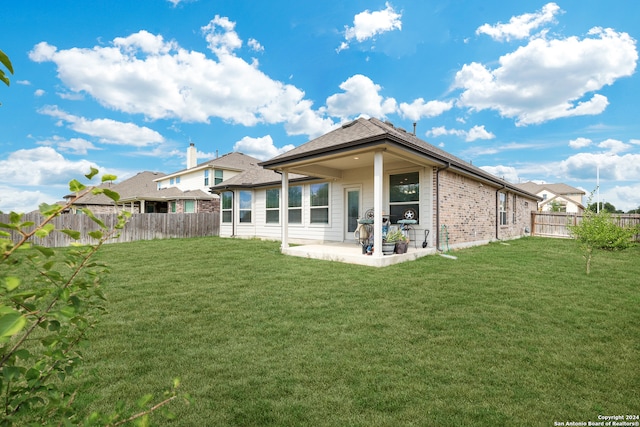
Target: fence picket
{"x": 145, "y": 226}
{"x": 554, "y": 224}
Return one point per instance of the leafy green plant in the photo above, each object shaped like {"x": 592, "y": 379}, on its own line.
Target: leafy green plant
{"x": 396, "y": 236}
{"x": 49, "y": 300}
{"x": 600, "y": 231}
{"x": 4, "y": 60}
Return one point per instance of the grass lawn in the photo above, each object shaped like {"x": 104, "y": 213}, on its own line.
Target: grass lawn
{"x": 507, "y": 334}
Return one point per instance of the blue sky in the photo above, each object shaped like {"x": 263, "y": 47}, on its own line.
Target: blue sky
{"x": 527, "y": 90}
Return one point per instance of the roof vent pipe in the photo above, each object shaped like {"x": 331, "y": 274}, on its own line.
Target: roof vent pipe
{"x": 414, "y": 128}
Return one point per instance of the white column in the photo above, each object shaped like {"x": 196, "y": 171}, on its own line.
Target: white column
{"x": 284, "y": 210}
{"x": 377, "y": 203}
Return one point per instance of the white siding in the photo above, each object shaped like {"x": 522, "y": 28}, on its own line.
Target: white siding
{"x": 335, "y": 230}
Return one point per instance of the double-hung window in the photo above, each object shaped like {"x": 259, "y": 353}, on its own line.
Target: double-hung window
{"x": 206, "y": 177}
{"x": 404, "y": 196}
{"x": 502, "y": 211}
{"x": 319, "y": 197}
{"x": 226, "y": 203}
{"x": 245, "y": 206}
{"x": 273, "y": 206}
{"x": 217, "y": 176}
{"x": 295, "y": 204}
{"x": 189, "y": 206}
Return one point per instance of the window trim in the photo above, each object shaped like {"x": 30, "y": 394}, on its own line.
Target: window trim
{"x": 296, "y": 208}
{"x": 502, "y": 209}
{"x": 326, "y": 207}
{"x": 244, "y": 210}
{"x": 229, "y": 209}
{"x": 271, "y": 209}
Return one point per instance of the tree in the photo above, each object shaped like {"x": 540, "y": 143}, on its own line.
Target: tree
{"x": 4, "y": 59}
{"x": 604, "y": 207}
{"x": 49, "y": 300}
{"x": 600, "y": 231}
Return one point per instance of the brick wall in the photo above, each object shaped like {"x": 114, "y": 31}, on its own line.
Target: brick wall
{"x": 468, "y": 209}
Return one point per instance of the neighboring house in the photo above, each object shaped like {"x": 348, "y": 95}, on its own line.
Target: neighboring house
{"x": 204, "y": 175}
{"x": 140, "y": 194}
{"x": 556, "y": 197}
{"x": 371, "y": 167}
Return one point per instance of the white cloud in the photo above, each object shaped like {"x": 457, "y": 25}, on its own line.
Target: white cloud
{"x": 360, "y": 97}
{"x": 145, "y": 74}
{"x": 580, "y": 143}
{"x": 255, "y": 45}
{"x": 520, "y": 27}
{"x": 475, "y": 133}
{"x": 550, "y": 79}
{"x": 106, "y": 130}
{"x": 77, "y": 146}
{"x": 38, "y": 92}
{"x": 622, "y": 197}
{"x": 21, "y": 201}
{"x": 260, "y": 148}
{"x": 41, "y": 166}
{"x": 418, "y": 108}
{"x": 614, "y": 146}
{"x": 613, "y": 167}
{"x": 367, "y": 25}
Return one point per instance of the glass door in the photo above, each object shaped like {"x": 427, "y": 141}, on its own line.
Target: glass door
{"x": 352, "y": 211}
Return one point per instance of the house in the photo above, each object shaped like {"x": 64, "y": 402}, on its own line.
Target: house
{"x": 140, "y": 194}
{"x": 200, "y": 177}
{"x": 556, "y": 197}
{"x": 316, "y": 193}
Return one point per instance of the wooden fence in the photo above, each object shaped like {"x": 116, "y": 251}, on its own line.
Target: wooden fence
{"x": 146, "y": 226}
{"x": 555, "y": 224}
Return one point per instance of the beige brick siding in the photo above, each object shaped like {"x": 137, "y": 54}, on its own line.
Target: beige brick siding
{"x": 468, "y": 209}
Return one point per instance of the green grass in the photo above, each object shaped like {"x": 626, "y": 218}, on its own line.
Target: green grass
{"x": 507, "y": 334}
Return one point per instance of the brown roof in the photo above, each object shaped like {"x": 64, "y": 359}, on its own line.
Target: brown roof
{"x": 141, "y": 187}
{"x": 231, "y": 161}
{"x": 362, "y": 132}
{"x": 558, "y": 189}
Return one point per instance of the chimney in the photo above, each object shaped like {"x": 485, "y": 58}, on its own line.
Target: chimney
{"x": 192, "y": 160}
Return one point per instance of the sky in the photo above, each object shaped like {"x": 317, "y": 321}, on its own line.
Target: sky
{"x": 527, "y": 90}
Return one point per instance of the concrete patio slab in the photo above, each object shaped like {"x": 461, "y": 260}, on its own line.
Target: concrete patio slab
{"x": 351, "y": 253}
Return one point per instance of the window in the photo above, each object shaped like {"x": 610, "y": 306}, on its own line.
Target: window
{"x": 189, "y": 206}
{"x": 177, "y": 180}
{"x": 502, "y": 211}
{"x": 245, "y": 206}
{"x": 206, "y": 177}
{"x": 173, "y": 207}
{"x": 273, "y": 206}
{"x": 404, "y": 196}
{"x": 171, "y": 181}
{"x": 295, "y": 205}
{"x": 514, "y": 208}
{"x": 319, "y": 198}
{"x": 217, "y": 176}
{"x": 227, "y": 206}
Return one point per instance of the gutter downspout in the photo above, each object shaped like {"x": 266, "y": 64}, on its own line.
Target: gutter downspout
{"x": 498, "y": 210}
{"x": 438, "y": 204}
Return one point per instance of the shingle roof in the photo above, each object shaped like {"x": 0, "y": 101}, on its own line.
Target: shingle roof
{"x": 558, "y": 189}
{"x": 233, "y": 161}
{"x": 361, "y": 132}
{"x": 141, "y": 186}
{"x": 256, "y": 177}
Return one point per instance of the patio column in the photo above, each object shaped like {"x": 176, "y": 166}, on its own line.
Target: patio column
{"x": 284, "y": 210}
{"x": 377, "y": 203}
